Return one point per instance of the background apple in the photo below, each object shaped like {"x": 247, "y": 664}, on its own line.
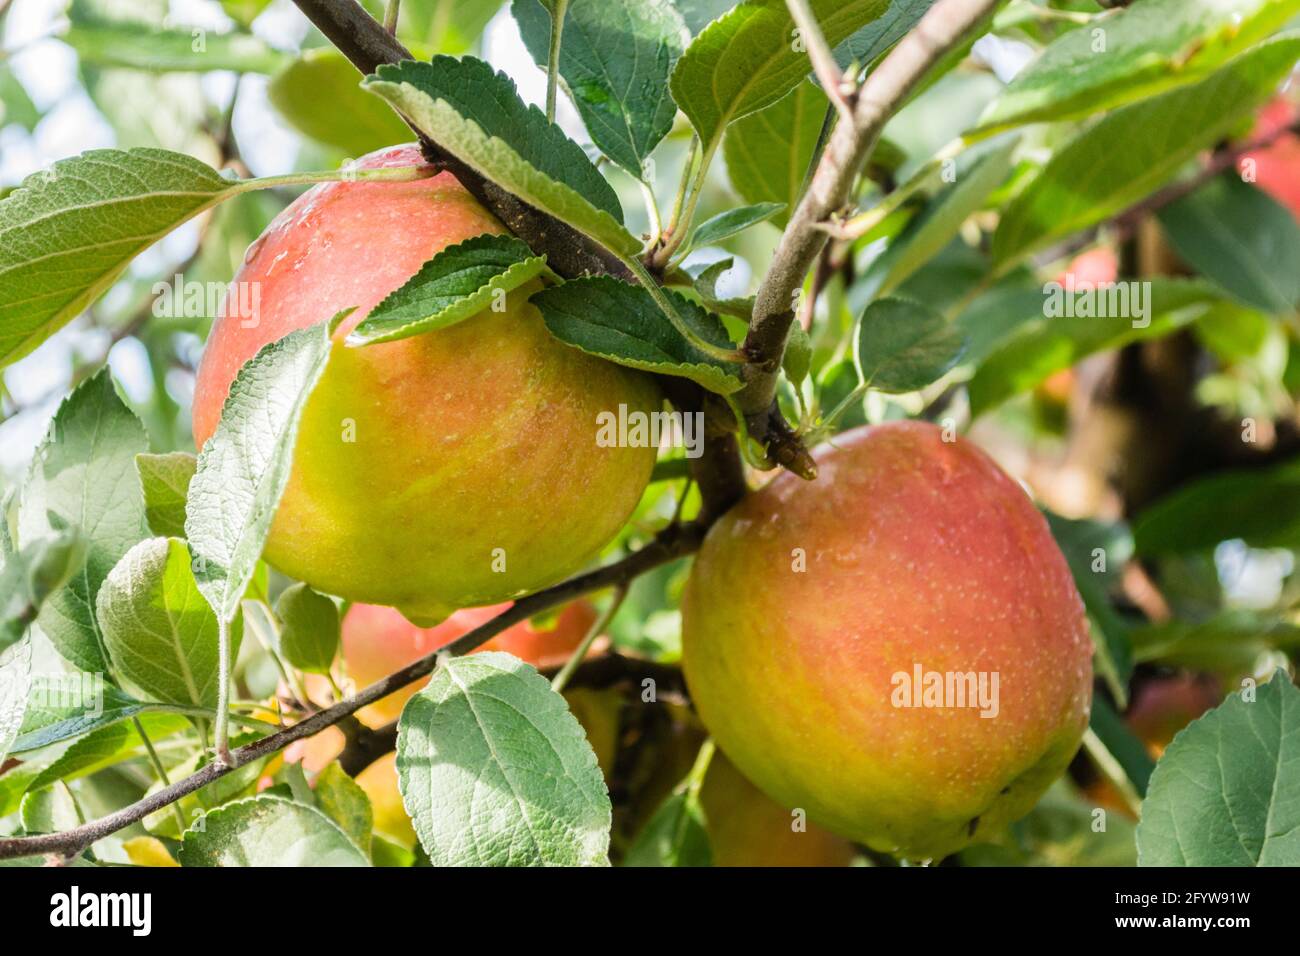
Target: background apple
{"x": 907, "y": 551}
{"x": 446, "y": 470}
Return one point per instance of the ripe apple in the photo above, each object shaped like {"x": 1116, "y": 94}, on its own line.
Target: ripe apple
{"x": 378, "y": 640}
{"x": 747, "y": 829}
{"x": 1163, "y": 706}
{"x": 451, "y": 469}
{"x": 812, "y": 606}
{"x": 1276, "y": 168}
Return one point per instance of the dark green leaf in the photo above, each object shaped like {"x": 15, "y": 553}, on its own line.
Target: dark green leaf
{"x": 457, "y": 283}
{"x": 60, "y": 708}
{"x": 476, "y": 114}
{"x": 1241, "y": 239}
{"x": 1091, "y": 178}
{"x": 903, "y": 346}
{"x": 874, "y": 39}
{"x": 1224, "y": 793}
{"x": 309, "y": 628}
{"x": 675, "y": 835}
{"x": 1120, "y": 742}
{"x": 727, "y": 224}
{"x": 341, "y": 799}
{"x": 768, "y": 152}
{"x": 615, "y": 59}
{"x": 620, "y": 322}
{"x": 1135, "y": 53}
{"x": 30, "y": 576}
{"x": 1261, "y": 506}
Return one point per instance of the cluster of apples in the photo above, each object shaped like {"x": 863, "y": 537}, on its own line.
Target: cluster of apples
{"x": 459, "y": 469}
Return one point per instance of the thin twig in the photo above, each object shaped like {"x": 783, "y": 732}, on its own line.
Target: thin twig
{"x": 829, "y": 74}
{"x": 598, "y": 626}
{"x": 560, "y": 8}
{"x": 884, "y": 91}
{"x": 674, "y": 542}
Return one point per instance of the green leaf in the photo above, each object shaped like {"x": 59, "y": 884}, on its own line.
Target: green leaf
{"x": 16, "y": 106}
{"x": 798, "y": 355}
{"x": 107, "y": 746}
{"x": 31, "y": 576}
{"x": 104, "y": 43}
{"x": 60, "y": 708}
{"x": 1228, "y": 643}
{"x": 769, "y": 151}
{"x": 698, "y": 14}
{"x": 748, "y": 60}
{"x": 726, "y": 224}
{"x": 69, "y": 231}
{"x": 48, "y": 811}
{"x": 446, "y": 26}
{"x": 1224, "y": 793}
{"x": 244, "y": 467}
{"x": 620, "y": 322}
{"x": 706, "y": 287}
{"x": 309, "y": 628}
{"x": 927, "y": 234}
{"x": 1240, "y": 238}
{"x": 1261, "y": 506}
{"x": 1120, "y": 742}
{"x": 244, "y": 12}
{"x": 675, "y": 835}
{"x": 903, "y": 346}
{"x": 495, "y": 770}
{"x": 1149, "y": 48}
{"x": 476, "y": 114}
{"x": 15, "y": 682}
{"x": 1090, "y": 179}
{"x": 83, "y": 477}
{"x": 165, "y": 481}
{"x": 268, "y": 831}
{"x": 615, "y": 58}
{"x": 1097, "y": 552}
{"x": 457, "y": 283}
{"x": 342, "y": 800}
{"x": 355, "y": 122}
{"x": 160, "y": 632}
{"x": 873, "y": 40}
{"x": 1056, "y": 340}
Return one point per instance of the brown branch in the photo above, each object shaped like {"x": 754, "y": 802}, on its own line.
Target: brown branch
{"x": 674, "y": 542}
{"x": 941, "y": 29}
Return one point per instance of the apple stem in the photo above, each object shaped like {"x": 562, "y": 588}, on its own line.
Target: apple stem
{"x": 580, "y": 652}
{"x": 553, "y": 58}
{"x": 390, "y": 16}
{"x": 695, "y": 779}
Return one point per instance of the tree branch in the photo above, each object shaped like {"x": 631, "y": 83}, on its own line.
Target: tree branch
{"x": 888, "y": 86}
{"x": 673, "y": 542}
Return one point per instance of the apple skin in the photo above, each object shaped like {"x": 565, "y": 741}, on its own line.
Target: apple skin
{"x": 1163, "y": 706}
{"x": 748, "y": 829}
{"x": 918, "y": 551}
{"x": 379, "y": 640}
{"x": 420, "y": 461}
{"x": 1277, "y": 166}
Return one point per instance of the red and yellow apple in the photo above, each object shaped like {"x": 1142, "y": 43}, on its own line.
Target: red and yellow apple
{"x": 747, "y": 829}
{"x": 451, "y": 469}
{"x": 812, "y": 609}
{"x": 378, "y": 640}
{"x": 1276, "y": 167}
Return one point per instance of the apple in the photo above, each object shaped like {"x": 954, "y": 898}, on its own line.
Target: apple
{"x": 1163, "y": 706}
{"x": 1276, "y": 167}
{"x": 747, "y": 829}
{"x": 451, "y": 469}
{"x": 379, "y": 640}
{"x": 819, "y": 616}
